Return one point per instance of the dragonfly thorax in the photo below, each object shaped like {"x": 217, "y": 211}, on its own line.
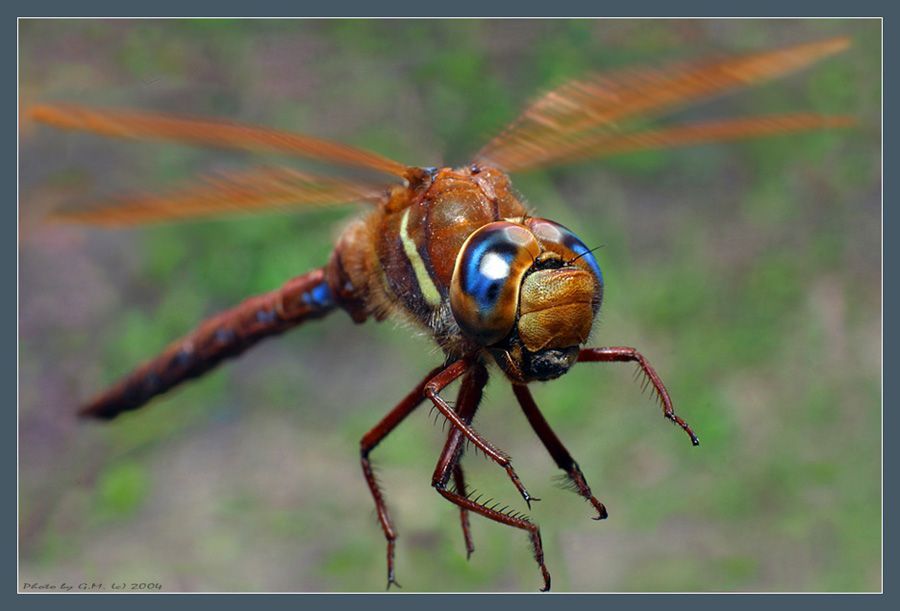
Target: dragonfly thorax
{"x": 456, "y": 253}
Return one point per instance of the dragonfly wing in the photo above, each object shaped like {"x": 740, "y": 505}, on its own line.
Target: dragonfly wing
{"x": 261, "y": 189}
{"x": 595, "y": 146}
{"x": 222, "y": 134}
{"x": 596, "y": 106}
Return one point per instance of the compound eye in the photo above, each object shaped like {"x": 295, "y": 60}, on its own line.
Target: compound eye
{"x": 484, "y": 290}
{"x": 562, "y": 241}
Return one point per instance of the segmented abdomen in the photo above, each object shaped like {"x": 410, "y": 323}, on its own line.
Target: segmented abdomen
{"x": 221, "y": 337}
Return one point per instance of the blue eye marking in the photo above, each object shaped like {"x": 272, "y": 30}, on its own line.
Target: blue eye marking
{"x": 584, "y": 253}
{"x": 574, "y": 243}
{"x": 554, "y": 233}
{"x": 486, "y": 268}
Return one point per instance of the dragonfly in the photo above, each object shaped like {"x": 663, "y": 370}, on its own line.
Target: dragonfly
{"x": 452, "y": 251}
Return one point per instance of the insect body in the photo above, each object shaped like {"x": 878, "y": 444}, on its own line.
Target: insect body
{"x": 451, "y": 251}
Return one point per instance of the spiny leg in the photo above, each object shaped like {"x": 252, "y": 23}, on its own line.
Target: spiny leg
{"x": 510, "y": 519}
{"x": 368, "y": 443}
{"x": 459, "y": 481}
{"x": 621, "y": 354}
{"x": 441, "y": 381}
{"x": 470, "y": 396}
{"x": 557, "y": 450}
{"x": 470, "y": 393}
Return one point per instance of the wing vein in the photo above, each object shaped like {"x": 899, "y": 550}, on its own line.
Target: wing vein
{"x": 255, "y": 190}
{"x": 222, "y": 134}
{"x": 594, "y": 108}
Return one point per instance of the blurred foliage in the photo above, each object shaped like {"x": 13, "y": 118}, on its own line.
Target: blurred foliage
{"x": 748, "y": 273}
{"x": 120, "y": 490}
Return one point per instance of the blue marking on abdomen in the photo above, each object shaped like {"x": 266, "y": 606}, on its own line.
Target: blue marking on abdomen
{"x": 266, "y": 316}
{"x": 319, "y": 296}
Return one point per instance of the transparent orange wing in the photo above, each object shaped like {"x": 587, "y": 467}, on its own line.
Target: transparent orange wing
{"x": 261, "y": 189}
{"x": 572, "y": 120}
{"x": 222, "y": 134}
{"x": 685, "y": 134}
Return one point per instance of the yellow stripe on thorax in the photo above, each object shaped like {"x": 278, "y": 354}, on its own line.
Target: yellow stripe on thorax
{"x": 426, "y": 284}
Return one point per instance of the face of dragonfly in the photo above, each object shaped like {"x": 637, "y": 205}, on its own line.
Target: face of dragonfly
{"x": 528, "y": 290}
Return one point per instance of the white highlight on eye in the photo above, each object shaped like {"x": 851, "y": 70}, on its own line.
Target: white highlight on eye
{"x": 493, "y": 266}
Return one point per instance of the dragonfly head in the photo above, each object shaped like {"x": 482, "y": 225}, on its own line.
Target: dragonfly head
{"x": 528, "y": 291}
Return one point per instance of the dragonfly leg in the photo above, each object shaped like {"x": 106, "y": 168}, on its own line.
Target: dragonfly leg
{"x": 368, "y": 443}
{"x": 467, "y": 403}
{"x": 459, "y": 482}
{"x": 621, "y": 354}
{"x": 432, "y": 390}
{"x": 556, "y": 448}
{"x": 448, "y": 463}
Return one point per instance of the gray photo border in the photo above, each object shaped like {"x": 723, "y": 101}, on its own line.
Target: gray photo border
{"x": 569, "y": 8}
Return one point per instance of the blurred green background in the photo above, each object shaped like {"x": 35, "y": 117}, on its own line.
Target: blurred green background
{"x": 748, "y": 273}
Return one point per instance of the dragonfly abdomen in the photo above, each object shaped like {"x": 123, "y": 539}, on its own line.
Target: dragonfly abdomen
{"x": 223, "y": 336}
